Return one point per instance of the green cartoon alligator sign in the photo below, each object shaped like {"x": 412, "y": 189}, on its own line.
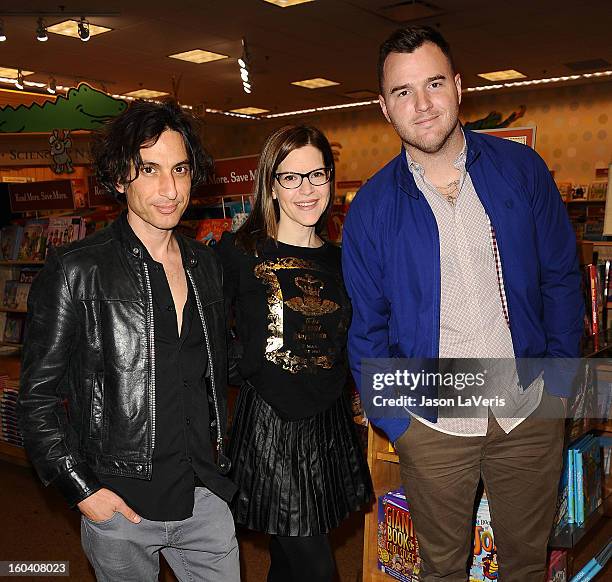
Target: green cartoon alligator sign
{"x": 83, "y": 108}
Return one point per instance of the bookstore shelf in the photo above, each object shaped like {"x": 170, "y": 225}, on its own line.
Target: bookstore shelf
{"x": 20, "y": 263}
{"x": 9, "y": 310}
{"x": 572, "y": 534}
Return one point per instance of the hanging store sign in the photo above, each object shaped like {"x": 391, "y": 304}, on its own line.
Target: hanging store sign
{"x": 97, "y": 195}
{"x": 233, "y": 176}
{"x": 48, "y": 195}
{"x": 50, "y": 150}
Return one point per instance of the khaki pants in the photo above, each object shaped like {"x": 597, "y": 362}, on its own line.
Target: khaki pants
{"x": 440, "y": 474}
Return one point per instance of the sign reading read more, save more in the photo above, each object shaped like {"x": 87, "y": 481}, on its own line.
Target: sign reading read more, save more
{"x": 48, "y": 195}
{"x": 232, "y": 176}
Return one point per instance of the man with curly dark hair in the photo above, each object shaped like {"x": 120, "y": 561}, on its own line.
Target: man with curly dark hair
{"x": 123, "y": 395}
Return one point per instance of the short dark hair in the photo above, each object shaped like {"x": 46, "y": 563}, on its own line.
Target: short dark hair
{"x": 407, "y": 40}
{"x": 116, "y": 147}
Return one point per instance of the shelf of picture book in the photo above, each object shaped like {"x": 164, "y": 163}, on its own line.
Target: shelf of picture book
{"x": 23, "y": 248}
{"x": 582, "y": 501}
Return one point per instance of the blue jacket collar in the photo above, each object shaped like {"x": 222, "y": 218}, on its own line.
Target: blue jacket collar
{"x": 404, "y": 177}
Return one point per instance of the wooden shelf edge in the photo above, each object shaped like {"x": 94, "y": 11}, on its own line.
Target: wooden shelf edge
{"x": 390, "y": 457}
{"x": 7, "y": 310}
{"x": 6, "y": 263}
{"x": 571, "y": 535}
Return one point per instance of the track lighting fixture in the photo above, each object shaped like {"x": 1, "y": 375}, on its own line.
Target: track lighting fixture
{"x": 84, "y": 29}
{"x": 41, "y": 31}
{"x": 243, "y": 63}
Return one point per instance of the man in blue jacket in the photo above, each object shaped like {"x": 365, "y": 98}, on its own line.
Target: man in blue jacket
{"x": 461, "y": 248}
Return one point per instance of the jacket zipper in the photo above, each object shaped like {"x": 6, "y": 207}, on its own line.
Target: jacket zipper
{"x": 211, "y": 363}
{"x": 151, "y": 339}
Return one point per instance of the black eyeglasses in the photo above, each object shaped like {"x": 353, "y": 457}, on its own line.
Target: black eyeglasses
{"x": 292, "y": 180}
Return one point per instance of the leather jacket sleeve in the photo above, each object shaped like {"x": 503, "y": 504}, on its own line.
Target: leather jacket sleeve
{"x": 49, "y": 346}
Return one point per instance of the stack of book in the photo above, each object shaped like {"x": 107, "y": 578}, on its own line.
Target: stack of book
{"x": 580, "y": 491}
{"x": 596, "y": 283}
{"x": 10, "y": 432}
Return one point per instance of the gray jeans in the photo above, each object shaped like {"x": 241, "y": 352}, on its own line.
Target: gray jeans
{"x": 200, "y": 548}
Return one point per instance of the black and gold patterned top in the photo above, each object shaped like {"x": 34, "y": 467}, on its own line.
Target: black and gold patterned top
{"x": 292, "y": 315}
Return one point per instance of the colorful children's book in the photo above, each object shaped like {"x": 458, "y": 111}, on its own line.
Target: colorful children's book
{"x": 571, "y": 499}
{"x": 591, "y": 476}
{"x": 210, "y": 230}
{"x": 34, "y": 241}
{"x": 398, "y": 550}
{"x": 557, "y": 566}
{"x": 13, "y": 330}
{"x": 64, "y": 229}
{"x": 10, "y": 241}
{"x": 484, "y": 562}
{"x": 561, "y": 511}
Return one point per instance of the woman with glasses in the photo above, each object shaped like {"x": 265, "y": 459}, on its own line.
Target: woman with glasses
{"x": 294, "y": 450}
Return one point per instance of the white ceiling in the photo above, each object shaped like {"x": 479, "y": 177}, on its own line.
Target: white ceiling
{"x": 335, "y": 39}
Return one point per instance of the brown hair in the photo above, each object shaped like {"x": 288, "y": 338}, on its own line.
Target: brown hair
{"x": 262, "y": 223}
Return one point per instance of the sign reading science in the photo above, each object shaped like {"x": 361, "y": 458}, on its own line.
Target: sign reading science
{"x": 48, "y": 195}
{"x": 233, "y": 176}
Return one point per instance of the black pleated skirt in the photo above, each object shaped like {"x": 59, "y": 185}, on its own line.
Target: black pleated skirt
{"x": 297, "y": 477}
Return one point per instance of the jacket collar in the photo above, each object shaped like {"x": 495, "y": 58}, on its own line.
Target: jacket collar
{"x": 134, "y": 246}
{"x": 404, "y": 176}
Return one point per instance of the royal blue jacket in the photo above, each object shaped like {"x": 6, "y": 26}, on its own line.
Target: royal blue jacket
{"x": 391, "y": 263}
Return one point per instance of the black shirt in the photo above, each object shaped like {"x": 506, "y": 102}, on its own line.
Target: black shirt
{"x": 292, "y": 315}
{"x": 183, "y": 447}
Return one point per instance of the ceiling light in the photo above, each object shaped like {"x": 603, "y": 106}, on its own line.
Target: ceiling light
{"x": 2, "y": 35}
{"x": 84, "y": 29}
{"x": 287, "y": 3}
{"x": 71, "y": 28}
{"x": 244, "y": 62}
{"x": 315, "y": 83}
{"x": 12, "y": 73}
{"x": 41, "y": 31}
{"x": 502, "y": 75}
{"x": 145, "y": 94}
{"x": 249, "y": 110}
{"x": 230, "y": 114}
{"x": 19, "y": 82}
{"x": 52, "y": 86}
{"x": 198, "y": 56}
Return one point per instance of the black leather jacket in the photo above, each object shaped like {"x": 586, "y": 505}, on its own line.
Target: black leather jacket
{"x": 87, "y": 397}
